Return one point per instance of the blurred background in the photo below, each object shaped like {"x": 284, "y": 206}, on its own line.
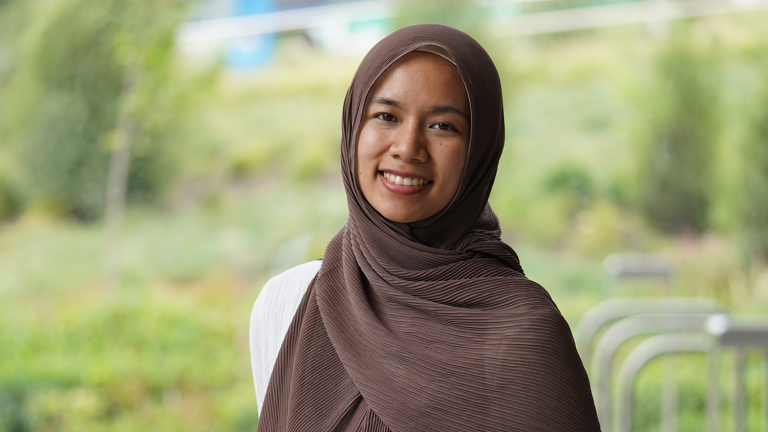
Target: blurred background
{"x": 161, "y": 159}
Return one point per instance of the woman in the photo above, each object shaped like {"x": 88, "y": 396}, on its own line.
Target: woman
{"x": 418, "y": 318}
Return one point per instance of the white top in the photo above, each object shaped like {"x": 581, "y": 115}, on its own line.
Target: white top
{"x": 271, "y": 316}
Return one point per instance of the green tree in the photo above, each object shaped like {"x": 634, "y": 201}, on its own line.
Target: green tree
{"x": 674, "y": 184}
{"x": 78, "y": 60}
{"x": 754, "y": 199}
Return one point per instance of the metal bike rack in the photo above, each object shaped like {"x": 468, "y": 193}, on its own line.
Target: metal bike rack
{"x": 617, "y": 308}
{"x": 641, "y": 355}
{"x": 621, "y": 332}
{"x": 633, "y": 316}
{"x": 720, "y": 332}
{"x": 685, "y": 325}
{"x": 740, "y": 338}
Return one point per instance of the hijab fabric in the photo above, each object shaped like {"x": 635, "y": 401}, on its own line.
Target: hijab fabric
{"x": 428, "y": 326}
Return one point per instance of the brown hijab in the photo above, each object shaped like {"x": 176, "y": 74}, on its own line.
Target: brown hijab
{"x": 428, "y": 326}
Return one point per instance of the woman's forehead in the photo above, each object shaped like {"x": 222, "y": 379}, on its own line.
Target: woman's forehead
{"x": 419, "y": 72}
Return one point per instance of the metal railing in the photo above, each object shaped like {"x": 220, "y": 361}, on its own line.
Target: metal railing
{"x": 623, "y": 331}
{"x": 741, "y": 338}
{"x": 640, "y": 356}
{"x": 674, "y": 326}
{"x": 614, "y": 309}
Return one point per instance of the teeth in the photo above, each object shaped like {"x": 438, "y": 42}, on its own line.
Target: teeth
{"x": 405, "y": 181}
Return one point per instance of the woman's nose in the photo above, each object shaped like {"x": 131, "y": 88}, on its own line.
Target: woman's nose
{"x": 409, "y": 144}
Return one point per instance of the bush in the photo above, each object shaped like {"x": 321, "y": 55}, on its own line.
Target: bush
{"x": 153, "y": 361}
{"x": 11, "y": 199}
{"x": 674, "y": 186}
{"x": 574, "y": 181}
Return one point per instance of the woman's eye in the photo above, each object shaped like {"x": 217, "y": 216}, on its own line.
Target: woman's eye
{"x": 386, "y": 117}
{"x": 443, "y": 126}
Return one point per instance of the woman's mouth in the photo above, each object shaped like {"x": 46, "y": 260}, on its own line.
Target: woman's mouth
{"x": 404, "y": 181}
{"x": 402, "y": 184}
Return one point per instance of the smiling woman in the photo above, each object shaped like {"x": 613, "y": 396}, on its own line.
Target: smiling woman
{"x": 413, "y": 138}
{"x": 418, "y": 317}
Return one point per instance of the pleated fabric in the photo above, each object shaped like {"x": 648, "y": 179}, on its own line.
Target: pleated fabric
{"x": 428, "y": 326}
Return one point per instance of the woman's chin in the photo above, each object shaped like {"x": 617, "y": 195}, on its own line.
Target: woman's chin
{"x": 403, "y": 214}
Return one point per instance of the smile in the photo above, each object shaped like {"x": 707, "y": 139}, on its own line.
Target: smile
{"x": 405, "y": 181}
{"x": 403, "y": 185}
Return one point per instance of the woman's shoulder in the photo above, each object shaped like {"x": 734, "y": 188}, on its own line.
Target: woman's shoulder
{"x": 272, "y": 314}
{"x": 299, "y": 275}
{"x": 288, "y": 287}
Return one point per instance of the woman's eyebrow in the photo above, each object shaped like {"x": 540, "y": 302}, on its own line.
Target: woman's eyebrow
{"x": 385, "y": 101}
{"x": 449, "y": 109}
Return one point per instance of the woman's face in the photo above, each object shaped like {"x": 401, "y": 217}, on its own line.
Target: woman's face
{"x": 413, "y": 138}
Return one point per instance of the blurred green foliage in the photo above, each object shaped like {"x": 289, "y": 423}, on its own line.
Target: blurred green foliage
{"x": 253, "y": 186}
{"x": 11, "y": 197}
{"x": 754, "y": 205}
{"x": 574, "y": 181}
{"x": 140, "y": 360}
{"x": 69, "y": 89}
{"x": 680, "y": 132}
